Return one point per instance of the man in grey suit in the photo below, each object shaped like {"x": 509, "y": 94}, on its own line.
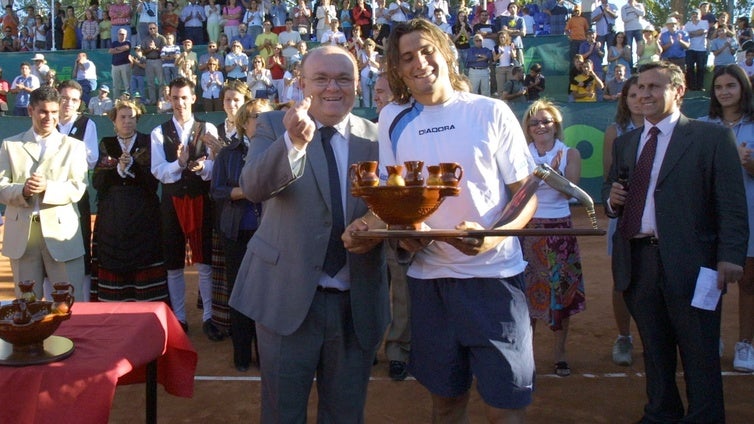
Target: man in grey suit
{"x": 42, "y": 176}
{"x": 683, "y": 209}
{"x": 318, "y": 310}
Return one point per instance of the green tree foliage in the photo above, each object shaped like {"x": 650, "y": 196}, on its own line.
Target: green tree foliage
{"x": 658, "y": 10}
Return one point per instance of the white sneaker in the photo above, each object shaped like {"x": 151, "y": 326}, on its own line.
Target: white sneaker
{"x": 744, "y": 360}
{"x": 622, "y": 351}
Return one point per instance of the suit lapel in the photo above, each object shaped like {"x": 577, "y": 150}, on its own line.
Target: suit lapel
{"x": 32, "y": 148}
{"x": 679, "y": 142}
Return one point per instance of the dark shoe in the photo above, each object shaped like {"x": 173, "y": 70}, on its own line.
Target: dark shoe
{"x": 398, "y": 370}
{"x": 212, "y": 332}
{"x": 562, "y": 369}
{"x": 242, "y": 368}
{"x": 184, "y": 326}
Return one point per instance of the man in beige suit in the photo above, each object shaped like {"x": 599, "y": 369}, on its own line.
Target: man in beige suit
{"x": 42, "y": 176}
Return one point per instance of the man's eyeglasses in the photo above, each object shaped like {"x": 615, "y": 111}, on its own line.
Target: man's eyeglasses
{"x": 64, "y": 99}
{"x": 537, "y": 122}
{"x": 324, "y": 82}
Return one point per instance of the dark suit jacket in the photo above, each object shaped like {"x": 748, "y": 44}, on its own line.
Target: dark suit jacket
{"x": 700, "y": 203}
{"x": 278, "y": 278}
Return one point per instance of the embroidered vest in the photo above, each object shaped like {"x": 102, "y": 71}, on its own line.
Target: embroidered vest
{"x": 190, "y": 183}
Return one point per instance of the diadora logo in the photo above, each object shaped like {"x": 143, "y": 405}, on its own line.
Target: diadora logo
{"x": 437, "y": 129}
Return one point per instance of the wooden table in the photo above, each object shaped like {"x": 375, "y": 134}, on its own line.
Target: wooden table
{"x": 115, "y": 343}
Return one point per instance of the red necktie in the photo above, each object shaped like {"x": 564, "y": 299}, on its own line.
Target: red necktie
{"x": 639, "y": 184}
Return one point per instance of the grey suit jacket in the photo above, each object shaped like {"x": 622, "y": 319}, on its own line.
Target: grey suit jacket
{"x": 66, "y": 169}
{"x": 700, "y": 205}
{"x": 283, "y": 263}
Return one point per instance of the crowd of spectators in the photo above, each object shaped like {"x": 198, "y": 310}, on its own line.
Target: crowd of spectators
{"x": 277, "y": 31}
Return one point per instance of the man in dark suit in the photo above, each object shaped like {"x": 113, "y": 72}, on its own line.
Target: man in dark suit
{"x": 688, "y": 213}
{"x": 318, "y": 310}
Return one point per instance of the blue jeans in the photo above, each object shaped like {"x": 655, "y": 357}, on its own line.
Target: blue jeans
{"x": 87, "y": 86}
{"x": 169, "y": 73}
{"x": 88, "y": 44}
{"x": 137, "y": 85}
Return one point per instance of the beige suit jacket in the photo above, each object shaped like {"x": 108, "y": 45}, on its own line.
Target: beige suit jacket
{"x": 64, "y": 165}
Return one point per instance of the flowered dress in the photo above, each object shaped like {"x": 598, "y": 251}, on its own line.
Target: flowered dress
{"x": 554, "y": 281}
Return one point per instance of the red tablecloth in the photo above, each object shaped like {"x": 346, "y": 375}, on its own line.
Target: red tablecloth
{"x": 113, "y": 344}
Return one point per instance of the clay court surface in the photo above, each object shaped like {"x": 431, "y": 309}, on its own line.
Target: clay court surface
{"x": 597, "y": 392}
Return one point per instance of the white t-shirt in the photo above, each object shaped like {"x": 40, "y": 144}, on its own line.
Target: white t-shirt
{"x": 748, "y": 69}
{"x": 485, "y": 138}
{"x": 550, "y": 202}
{"x": 699, "y": 42}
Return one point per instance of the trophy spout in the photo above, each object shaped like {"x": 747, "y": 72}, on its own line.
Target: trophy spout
{"x": 552, "y": 178}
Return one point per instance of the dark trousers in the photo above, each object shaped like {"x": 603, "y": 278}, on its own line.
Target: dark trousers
{"x": 696, "y": 63}
{"x": 242, "y": 330}
{"x": 195, "y": 34}
{"x": 668, "y": 324}
{"x": 85, "y": 219}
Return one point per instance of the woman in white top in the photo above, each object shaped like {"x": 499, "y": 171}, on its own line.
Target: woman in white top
{"x": 370, "y": 67}
{"x": 554, "y": 283}
{"x": 259, "y": 78}
{"x": 213, "y": 12}
{"x": 212, "y": 84}
{"x": 325, "y": 12}
{"x": 504, "y": 55}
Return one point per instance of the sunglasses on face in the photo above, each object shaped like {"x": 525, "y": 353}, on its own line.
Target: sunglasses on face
{"x": 538, "y": 122}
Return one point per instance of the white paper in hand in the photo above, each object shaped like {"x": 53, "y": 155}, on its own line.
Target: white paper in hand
{"x": 706, "y": 294}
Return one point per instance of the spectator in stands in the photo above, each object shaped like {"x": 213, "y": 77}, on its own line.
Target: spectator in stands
{"x": 649, "y": 49}
{"x": 747, "y": 63}
{"x": 212, "y": 53}
{"x": 707, "y": 15}
{"x": 40, "y": 67}
{"x": 301, "y": 15}
{"x": 277, "y": 66}
{"x": 247, "y": 40}
{"x": 223, "y": 45}
{"x": 419, "y": 10}
{"x": 614, "y": 85}
{"x": 278, "y": 12}
{"x": 324, "y": 13}
{"x": 85, "y": 73}
{"x": 301, "y": 50}
{"x": 361, "y": 14}
{"x": 213, "y": 11}
{"x": 101, "y": 104}
{"x": 516, "y": 29}
{"x": 70, "y": 24}
{"x": 577, "y": 63}
{"x": 441, "y": 22}
{"x": 576, "y": 28}
{"x": 22, "y": 87}
{"x": 138, "y": 71}
{"x": 212, "y": 84}
{"x": 632, "y": 14}
{"x": 461, "y": 35}
{"x": 534, "y": 82}
{"x": 528, "y": 20}
{"x": 723, "y": 47}
{"x": 236, "y": 63}
{"x": 147, "y": 10}
{"x": 674, "y": 43}
{"x": 164, "y": 105}
{"x": 290, "y": 37}
{"x": 105, "y": 31}
{"x": 592, "y": 49}
{"x": 478, "y": 64}
{"x": 266, "y": 41}
{"x": 51, "y": 80}
{"x": 744, "y": 33}
{"x": 25, "y": 41}
{"x": 193, "y": 19}
{"x": 587, "y": 83}
{"x": 170, "y": 19}
{"x": 89, "y": 31}
{"x": 334, "y": 36}
{"x": 120, "y": 17}
{"x": 696, "y": 54}
{"x": 258, "y": 78}
{"x": 368, "y": 62}
{"x": 152, "y": 46}
{"x": 514, "y": 89}
{"x": 558, "y": 13}
{"x": 253, "y": 17}
{"x": 9, "y": 42}
{"x": 619, "y": 53}
{"x": 293, "y": 91}
{"x": 168, "y": 54}
{"x": 604, "y": 17}
{"x": 10, "y": 19}
{"x": 505, "y": 58}
{"x": 40, "y": 33}
{"x": 121, "y": 63}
